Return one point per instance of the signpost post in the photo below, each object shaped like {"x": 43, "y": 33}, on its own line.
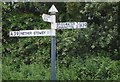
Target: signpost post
{"x": 50, "y": 32}
{"x": 53, "y": 11}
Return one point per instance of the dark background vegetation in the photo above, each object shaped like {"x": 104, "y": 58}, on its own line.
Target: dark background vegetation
{"x": 92, "y": 53}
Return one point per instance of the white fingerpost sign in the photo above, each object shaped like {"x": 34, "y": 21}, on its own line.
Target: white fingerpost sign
{"x": 28, "y": 33}
{"x": 71, "y": 25}
{"x": 47, "y": 18}
{"x": 50, "y": 32}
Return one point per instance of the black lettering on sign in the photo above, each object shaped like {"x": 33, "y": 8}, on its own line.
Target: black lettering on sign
{"x": 26, "y": 33}
{"x": 43, "y": 32}
{"x": 85, "y": 24}
{"x": 11, "y": 33}
{"x": 46, "y": 19}
{"x": 16, "y": 33}
{"x": 39, "y": 33}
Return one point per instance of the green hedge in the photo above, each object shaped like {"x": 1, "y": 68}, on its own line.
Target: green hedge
{"x": 89, "y": 68}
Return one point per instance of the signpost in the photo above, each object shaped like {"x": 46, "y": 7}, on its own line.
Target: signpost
{"x": 53, "y": 11}
{"x": 50, "y": 32}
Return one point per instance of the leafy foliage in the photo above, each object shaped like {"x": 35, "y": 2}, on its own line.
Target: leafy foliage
{"x": 82, "y": 54}
{"x": 102, "y": 68}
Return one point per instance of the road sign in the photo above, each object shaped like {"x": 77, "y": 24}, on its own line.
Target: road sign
{"x": 71, "y": 25}
{"x": 47, "y": 18}
{"x": 28, "y": 33}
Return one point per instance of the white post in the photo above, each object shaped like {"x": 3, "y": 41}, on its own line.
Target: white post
{"x": 53, "y": 11}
